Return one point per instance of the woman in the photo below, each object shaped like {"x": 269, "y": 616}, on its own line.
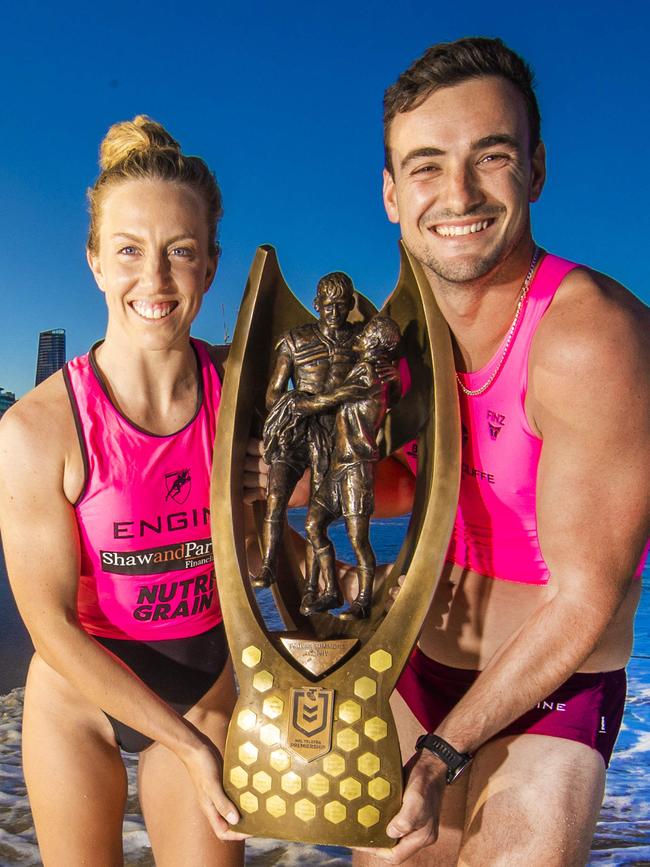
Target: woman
{"x": 104, "y": 495}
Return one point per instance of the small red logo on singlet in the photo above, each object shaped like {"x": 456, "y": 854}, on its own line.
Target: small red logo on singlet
{"x": 495, "y": 422}
{"x": 179, "y": 485}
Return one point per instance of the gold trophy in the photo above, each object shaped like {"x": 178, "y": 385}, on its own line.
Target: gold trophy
{"x": 312, "y": 752}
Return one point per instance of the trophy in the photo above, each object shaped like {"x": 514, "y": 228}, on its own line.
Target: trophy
{"x": 312, "y": 752}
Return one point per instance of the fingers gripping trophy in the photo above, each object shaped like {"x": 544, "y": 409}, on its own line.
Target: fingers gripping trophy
{"x": 312, "y": 741}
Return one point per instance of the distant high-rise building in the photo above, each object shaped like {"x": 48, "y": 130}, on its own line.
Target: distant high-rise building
{"x": 51, "y": 353}
{"x": 7, "y": 399}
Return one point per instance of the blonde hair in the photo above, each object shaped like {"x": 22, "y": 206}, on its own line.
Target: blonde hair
{"x": 142, "y": 149}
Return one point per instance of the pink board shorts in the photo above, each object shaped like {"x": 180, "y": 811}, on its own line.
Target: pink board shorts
{"x": 587, "y": 708}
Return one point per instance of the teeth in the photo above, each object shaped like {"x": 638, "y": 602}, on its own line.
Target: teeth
{"x": 448, "y": 231}
{"x": 152, "y": 311}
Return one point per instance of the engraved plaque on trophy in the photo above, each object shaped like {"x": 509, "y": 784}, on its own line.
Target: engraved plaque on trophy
{"x": 312, "y": 752}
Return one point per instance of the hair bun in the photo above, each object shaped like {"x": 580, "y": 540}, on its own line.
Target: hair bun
{"x": 130, "y": 137}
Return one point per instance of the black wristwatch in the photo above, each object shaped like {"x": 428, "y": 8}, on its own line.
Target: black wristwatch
{"x": 456, "y": 762}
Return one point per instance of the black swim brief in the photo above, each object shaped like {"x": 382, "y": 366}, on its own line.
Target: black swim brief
{"x": 179, "y": 670}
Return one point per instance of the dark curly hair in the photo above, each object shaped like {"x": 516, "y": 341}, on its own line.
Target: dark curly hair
{"x": 450, "y": 63}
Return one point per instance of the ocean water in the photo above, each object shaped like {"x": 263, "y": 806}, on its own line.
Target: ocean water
{"x": 622, "y": 836}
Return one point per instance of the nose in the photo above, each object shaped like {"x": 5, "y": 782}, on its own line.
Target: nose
{"x": 156, "y": 272}
{"x": 462, "y": 192}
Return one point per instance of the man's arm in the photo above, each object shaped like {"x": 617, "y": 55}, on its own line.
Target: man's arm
{"x": 589, "y": 397}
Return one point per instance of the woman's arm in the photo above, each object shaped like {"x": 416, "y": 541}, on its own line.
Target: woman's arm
{"x": 38, "y": 469}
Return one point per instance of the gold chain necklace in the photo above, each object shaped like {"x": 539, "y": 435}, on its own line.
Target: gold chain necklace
{"x": 473, "y": 392}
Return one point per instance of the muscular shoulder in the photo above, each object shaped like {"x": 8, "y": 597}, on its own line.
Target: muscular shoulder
{"x": 590, "y": 347}
{"x": 37, "y": 435}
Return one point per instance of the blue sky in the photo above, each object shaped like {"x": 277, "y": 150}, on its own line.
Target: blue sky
{"x": 284, "y": 102}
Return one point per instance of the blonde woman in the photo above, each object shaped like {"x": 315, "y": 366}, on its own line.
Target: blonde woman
{"x": 104, "y": 496}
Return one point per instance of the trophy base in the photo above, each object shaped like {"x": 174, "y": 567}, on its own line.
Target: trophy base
{"x": 319, "y": 763}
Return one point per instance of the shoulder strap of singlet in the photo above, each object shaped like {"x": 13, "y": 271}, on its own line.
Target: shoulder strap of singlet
{"x": 74, "y": 372}
{"x": 211, "y": 376}
{"x": 551, "y": 272}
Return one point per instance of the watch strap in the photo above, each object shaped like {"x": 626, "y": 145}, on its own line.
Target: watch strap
{"x": 456, "y": 762}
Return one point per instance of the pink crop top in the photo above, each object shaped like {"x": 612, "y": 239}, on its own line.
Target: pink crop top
{"x": 495, "y": 530}
{"x": 147, "y": 571}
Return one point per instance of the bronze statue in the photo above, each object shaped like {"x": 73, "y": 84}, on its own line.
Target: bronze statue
{"x": 347, "y": 489}
{"x": 316, "y": 358}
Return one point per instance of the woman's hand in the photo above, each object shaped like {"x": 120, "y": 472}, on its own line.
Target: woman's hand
{"x": 256, "y": 472}
{"x": 205, "y": 767}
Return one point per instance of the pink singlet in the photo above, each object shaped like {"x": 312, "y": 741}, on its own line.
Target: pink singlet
{"x": 495, "y": 530}
{"x": 144, "y": 521}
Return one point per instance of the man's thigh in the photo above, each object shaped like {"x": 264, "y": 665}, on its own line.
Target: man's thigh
{"x": 533, "y": 801}
{"x": 444, "y": 852}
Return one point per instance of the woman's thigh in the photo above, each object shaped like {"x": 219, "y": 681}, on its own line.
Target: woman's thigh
{"x": 75, "y": 777}
{"x": 178, "y": 830}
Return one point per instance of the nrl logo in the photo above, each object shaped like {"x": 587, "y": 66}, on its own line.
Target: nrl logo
{"x": 179, "y": 485}
{"x": 310, "y": 726}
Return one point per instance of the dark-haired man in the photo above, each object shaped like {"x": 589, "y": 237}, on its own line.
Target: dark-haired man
{"x": 553, "y": 512}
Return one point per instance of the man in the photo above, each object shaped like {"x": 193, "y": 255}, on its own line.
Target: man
{"x": 553, "y": 513}
{"x": 316, "y": 358}
{"x": 347, "y": 489}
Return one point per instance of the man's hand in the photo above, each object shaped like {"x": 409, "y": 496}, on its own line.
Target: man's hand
{"x": 387, "y": 372}
{"x": 393, "y": 593}
{"x": 416, "y": 824}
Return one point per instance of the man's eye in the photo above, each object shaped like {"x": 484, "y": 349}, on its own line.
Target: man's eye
{"x": 425, "y": 170}
{"x": 182, "y": 252}
{"x": 128, "y": 251}
{"x": 494, "y": 159}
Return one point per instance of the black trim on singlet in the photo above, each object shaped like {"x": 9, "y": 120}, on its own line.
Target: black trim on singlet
{"x": 102, "y": 385}
{"x": 80, "y": 433}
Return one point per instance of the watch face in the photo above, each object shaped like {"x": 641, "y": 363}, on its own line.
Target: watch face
{"x": 454, "y": 774}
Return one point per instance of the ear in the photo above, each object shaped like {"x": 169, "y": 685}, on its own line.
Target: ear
{"x": 213, "y": 264}
{"x": 317, "y": 304}
{"x": 538, "y": 172}
{"x": 95, "y": 267}
{"x": 390, "y": 197}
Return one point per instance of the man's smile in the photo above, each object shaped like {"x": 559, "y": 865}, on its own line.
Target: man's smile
{"x": 453, "y": 230}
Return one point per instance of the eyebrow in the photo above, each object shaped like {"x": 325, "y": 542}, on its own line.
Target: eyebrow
{"x": 186, "y": 236}
{"x": 496, "y": 139}
{"x": 485, "y": 142}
